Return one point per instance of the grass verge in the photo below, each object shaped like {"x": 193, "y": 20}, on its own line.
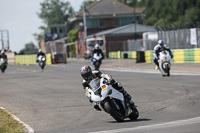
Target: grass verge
{"x": 8, "y": 124}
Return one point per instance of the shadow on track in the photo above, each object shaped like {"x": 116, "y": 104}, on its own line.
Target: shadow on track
{"x": 127, "y": 120}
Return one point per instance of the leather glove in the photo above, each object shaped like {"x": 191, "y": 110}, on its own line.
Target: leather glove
{"x": 111, "y": 81}
{"x": 172, "y": 56}
{"x": 85, "y": 85}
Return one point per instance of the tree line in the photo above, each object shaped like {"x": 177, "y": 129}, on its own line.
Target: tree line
{"x": 162, "y": 13}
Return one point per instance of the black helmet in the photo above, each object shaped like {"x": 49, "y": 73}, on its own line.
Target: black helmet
{"x": 86, "y": 72}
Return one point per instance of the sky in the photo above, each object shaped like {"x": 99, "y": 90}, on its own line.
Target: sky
{"x": 20, "y": 18}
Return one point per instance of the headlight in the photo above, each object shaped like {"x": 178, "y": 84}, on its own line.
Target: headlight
{"x": 43, "y": 59}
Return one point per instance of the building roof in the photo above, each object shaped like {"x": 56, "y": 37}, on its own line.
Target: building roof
{"x": 127, "y": 29}
{"x": 109, "y": 8}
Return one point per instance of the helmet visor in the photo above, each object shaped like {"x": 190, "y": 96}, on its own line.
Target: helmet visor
{"x": 87, "y": 76}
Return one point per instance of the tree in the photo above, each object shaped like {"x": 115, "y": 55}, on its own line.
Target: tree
{"x": 30, "y": 48}
{"x": 53, "y": 12}
{"x": 172, "y": 12}
{"x": 73, "y": 36}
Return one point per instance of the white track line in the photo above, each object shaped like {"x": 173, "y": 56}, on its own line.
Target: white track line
{"x": 149, "y": 71}
{"x": 27, "y": 127}
{"x": 156, "y": 126}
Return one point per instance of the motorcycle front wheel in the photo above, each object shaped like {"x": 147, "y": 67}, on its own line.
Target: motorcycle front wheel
{"x": 135, "y": 113}
{"x": 3, "y": 68}
{"x": 168, "y": 70}
{"x": 42, "y": 65}
{"x": 97, "y": 65}
{"x": 111, "y": 108}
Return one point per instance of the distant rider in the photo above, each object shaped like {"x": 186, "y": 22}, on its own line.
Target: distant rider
{"x": 3, "y": 55}
{"x": 98, "y": 52}
{"x": 88, "y": 75}
{"x": 157, "y": 49}
{"x": 40, "y": 53}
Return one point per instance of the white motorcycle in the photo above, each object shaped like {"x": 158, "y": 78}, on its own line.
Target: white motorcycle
{"x": 164, "y": 63}
{"x": 111, "y": 100}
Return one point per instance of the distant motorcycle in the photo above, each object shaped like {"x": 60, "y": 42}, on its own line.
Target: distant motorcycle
{"x": 96, "y": 61}
{"x": 111, "y": 100}
{"x": 42, "y": 61}
{"x": 164, "y": 63}
{"x": 3, "y": 65}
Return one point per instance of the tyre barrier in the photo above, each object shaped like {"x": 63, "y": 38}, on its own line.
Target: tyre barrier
{"x": 123, "y": 55}
{"x": 149, "y": 56}
{"x": 140, "y": 57}
{"x": 30, "y": 59}
{"x": 114, "y": 55}
{"x": 180, "y": 55}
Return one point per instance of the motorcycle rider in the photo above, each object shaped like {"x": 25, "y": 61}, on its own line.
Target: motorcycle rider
{"x": 157, "y": 49}
{"x": 98, "y": 51}
{"x": 88, "y": 75}
{"x": 40, "y": 53}
{"x": 3, "y": 55}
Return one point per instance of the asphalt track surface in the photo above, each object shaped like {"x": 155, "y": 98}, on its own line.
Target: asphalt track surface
{"x": 53, "y": 101}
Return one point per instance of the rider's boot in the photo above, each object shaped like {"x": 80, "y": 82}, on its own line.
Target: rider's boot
{"x": 126, "y": 95}
{"x": 121, "y": 89}
{"x": 157, "y": 64}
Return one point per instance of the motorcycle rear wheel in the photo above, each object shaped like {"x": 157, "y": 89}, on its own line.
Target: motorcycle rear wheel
{"x": 113, "y": 111}
{"x": 3, "y": 68}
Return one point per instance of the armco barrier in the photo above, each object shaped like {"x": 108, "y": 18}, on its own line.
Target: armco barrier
{"x": 30, "y": 59}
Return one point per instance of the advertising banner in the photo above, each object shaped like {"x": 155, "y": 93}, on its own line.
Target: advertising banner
{"x": 193, "y": 36}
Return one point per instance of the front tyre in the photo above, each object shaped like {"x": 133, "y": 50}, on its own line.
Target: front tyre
{"x": 3, "y": 68}
{"x": 168, "y": 73}
{"x": 135, "y": 113}
{"x": 97, "y": 65}
{"x": 43, "y": 65}
{"x": 111, "y": 108}
{"x": 168, "y": 70}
